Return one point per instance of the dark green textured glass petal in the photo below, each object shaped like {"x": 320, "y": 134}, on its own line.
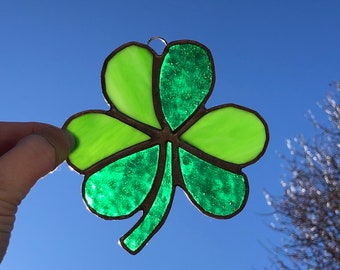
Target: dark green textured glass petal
{"x": 137, "y": 238}
{"x": 185, "y": 80}
{"x": 217, "y": 191}
{"x": 119, "y": 188}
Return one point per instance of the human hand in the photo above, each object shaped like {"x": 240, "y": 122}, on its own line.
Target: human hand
{"x": 28, "y": 151}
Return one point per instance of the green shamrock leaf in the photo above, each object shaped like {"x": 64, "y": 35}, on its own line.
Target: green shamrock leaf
{"x": 158, "y": 135}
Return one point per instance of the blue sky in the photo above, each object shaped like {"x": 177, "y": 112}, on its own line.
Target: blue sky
{"x": 276, "y": 57}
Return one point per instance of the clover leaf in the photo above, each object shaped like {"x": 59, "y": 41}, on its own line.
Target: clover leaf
{"x": 158, "y": 134}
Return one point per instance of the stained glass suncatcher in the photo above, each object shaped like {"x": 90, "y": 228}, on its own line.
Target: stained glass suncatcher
{"x": 158, "y": 134}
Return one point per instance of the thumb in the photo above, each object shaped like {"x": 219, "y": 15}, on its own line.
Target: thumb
{"x": 33, "y": 157}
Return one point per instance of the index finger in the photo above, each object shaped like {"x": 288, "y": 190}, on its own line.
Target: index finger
{"x": 12, "y": 132}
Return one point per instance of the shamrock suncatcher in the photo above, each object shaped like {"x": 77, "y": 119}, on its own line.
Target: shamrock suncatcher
{"x": 158, "y": 134}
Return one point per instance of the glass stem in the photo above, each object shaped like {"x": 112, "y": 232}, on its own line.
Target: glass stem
{"x": 152, "y": 221}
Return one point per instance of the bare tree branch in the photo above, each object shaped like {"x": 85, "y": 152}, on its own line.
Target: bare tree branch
{"x": 308, "y": 212}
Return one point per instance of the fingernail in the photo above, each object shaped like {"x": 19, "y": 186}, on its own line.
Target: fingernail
{"x": 61, "y": 140}
{"x": 70, "y": 139}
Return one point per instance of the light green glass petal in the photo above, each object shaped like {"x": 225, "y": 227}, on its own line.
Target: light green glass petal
{"x": 99, "y": 136}
{"x": 217, "y": 191}
{"x": 128, "y": 84}
{"x": 231, "y": 134}
{"x": 185, "y": 80}
{"x": 119, "y": 188}
{"x": 137, "y": 238}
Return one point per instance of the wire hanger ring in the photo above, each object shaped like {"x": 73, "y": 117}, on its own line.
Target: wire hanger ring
{"x": 157, "y": 38}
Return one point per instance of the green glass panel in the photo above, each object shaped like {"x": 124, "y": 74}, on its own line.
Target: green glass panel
{"x": 216, "y": 190}
{"x": 228, "y": 133}
{"x": 99, "y": 136}
{"x": 128, "y": 81}
{"x": 157, "y": 211}
{"x": 119, "y": 188}
{"x": 185, "y": 80}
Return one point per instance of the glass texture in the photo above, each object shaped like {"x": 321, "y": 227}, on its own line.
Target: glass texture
{"x": 228, "y": 133}
{"x": 119, "y": 188}
{"x": 128, "y": 81}
{"x": 119, "y": 181}
{"x": 216, "y": 190}
{"x": 99, "y": 136}
{"x": 185, "y": 80}
{"x": 157, "y": 211}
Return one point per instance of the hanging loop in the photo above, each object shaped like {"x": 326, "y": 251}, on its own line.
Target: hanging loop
{"x": 157, "y": 38}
